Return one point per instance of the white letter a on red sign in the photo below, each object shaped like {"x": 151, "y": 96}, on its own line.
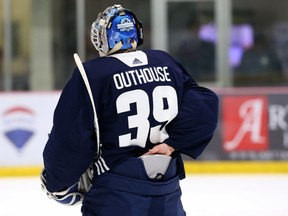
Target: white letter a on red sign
{"x": 251, "y": 113}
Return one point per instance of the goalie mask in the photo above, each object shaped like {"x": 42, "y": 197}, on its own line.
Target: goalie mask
{"x": 115, "y": 29}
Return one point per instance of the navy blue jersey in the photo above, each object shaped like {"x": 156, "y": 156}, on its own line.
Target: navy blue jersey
{"x": 142, "y": 98}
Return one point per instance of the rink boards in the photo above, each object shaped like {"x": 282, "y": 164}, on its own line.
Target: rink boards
{"x": 251, "y": 137}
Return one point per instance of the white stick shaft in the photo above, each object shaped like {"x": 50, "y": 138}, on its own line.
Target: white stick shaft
{"x": 85, "y": 78}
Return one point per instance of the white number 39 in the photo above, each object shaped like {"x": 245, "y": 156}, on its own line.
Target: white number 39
{"x": 164, "y": 109}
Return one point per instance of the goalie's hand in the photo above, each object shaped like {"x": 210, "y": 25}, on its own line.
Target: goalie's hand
{"x": 72, "y": 195}
{"x": 162, "y": 148}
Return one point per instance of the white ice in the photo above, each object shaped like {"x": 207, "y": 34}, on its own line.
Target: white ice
{"x": 203, "y": 195}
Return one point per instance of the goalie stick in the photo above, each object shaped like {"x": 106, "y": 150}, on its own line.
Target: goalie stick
{"x": 85, "y": 79}
{"x": 75, "y": 193}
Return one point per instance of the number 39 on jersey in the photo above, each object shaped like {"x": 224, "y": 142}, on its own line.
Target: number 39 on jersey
{"x": 164, "y": 109}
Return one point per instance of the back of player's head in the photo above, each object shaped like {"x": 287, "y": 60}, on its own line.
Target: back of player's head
{"x": 116, "y": 29}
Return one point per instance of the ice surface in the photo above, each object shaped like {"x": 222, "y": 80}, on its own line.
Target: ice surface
{"x": 203, "y": 195}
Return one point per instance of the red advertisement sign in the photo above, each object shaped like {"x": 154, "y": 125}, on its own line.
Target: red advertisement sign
{"x": 245, "y": 123}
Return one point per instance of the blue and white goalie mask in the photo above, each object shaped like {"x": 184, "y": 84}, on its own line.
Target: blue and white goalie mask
{"x": 116, "y": 29}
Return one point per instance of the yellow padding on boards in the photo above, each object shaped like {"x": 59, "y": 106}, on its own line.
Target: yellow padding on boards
{"x": 251, "y": 167}
{"x": 191, "y": 167}
{"x": 20, "y": 171}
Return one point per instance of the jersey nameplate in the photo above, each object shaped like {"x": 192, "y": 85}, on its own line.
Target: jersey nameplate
{"x": 132, "y": 59}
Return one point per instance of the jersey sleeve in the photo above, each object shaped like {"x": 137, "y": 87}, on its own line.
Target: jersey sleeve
{"x": 71, "y": 144}
{"x": 194, "y": 126}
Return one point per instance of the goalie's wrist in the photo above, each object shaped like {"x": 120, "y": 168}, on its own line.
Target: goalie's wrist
{"x": 68, "y": 196}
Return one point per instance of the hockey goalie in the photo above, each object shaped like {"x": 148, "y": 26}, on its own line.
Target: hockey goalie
{"x": 122, "y": 123}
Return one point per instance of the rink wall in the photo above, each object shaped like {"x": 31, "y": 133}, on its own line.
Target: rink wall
{"x": 26, "y": 119}
{"x": 251, "y": 137}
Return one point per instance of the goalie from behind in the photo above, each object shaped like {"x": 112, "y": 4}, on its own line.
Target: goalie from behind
{"x": 150, "y": 111}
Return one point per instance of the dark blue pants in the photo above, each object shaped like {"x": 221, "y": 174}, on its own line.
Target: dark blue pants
{"x": 127, "y": 190}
